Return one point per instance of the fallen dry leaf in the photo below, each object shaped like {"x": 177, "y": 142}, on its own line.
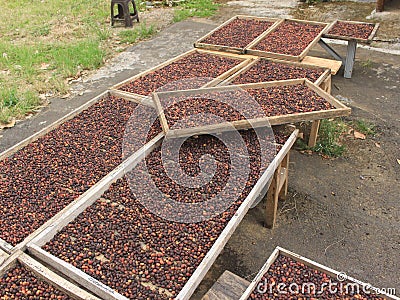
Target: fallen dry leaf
{"x": 44, "y": 66}
{"x": 398, "y": 161}
{"x": 377, "y": 145}
{"x": 8, "y": 125}
{"x": 65, "y": 96}
{"x": 359, "y": 135}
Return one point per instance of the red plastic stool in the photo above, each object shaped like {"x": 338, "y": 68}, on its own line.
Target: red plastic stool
{"x": 123, "y": 12}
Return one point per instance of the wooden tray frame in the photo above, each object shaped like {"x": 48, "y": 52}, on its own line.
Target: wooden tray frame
{"x": 308, "y": 262}
{"x": 105, "y": 292}
{"x": 318, "y": 82}
{"x": 340, "y": 109}
{"x": 3, "y": 257}
{"x": 8, "y": 248}
{"x": 346, "y": 38}
{"x": 245, "y": 60}
{"x": 46, "y": 275}
{"x": 250, "y": 49}
{"x": 200, "y": 44}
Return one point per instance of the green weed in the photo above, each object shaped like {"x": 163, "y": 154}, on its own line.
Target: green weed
{"x": 195, "y": 8}
{"x": 329, "y": 135}
{"x": 137, "y": 33}
{"x": 364, "y": 127}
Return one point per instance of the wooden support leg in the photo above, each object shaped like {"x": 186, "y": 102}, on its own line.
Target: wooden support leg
{"x": 285, "y": 168}
{"x": 312, "y": 141}
{"x": 326, "y": 85}
{"x": 350, "y": 57}
{"x": 330, "y": 50}
{"x": 272, "y": 200}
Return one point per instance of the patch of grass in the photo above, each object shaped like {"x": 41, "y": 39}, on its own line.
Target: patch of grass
{"x": 68, "y": 59}
{"x": 195, "y": 8}
{"x": 15, "y": 104}
{"x": 366, "y": 64}
{"x": 329, "y": 135}
{"x": 42, "y": 46}
{"x": 364, "y": 127}
{"x": 137, "y": 33}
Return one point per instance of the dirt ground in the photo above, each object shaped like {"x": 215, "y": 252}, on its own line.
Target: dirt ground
{"x": 343, "y": 213}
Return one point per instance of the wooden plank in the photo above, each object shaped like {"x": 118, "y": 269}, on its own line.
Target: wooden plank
{"x": 242, "y": 71}
{"x": 339, "y": 109}
{"x": 326, "y": 85}
{"x": 231, "y": 49}
{"x": 77, "y": 275}
{"x": 271, "y": 205}
{"x": 253, "y": 284}
{"x": 52, "y": 126}
{"x": 161, "y": 114}
{"x": 3, "y": 257}
{"x": 312, "y": 140}
{"x": 200, "y": 272}
{"x": 53, "y": 279}
{"x": 333, "y": 65}
{"x": 350, "y": 58}
{"x": 216, "y": 249}
{"x": 147, "y": 101}
{"x": 285, "y": 174}
{"x": 229, "y": 286}
{"x": 244, "y": 61}
{"x": 250, "y": 49}
{"x": 43, "y": 273}
{"x": 347, "y": 38}
{"x": 90, "y": 196}
{"x": 9, "y": 263}
{"x": 308, "y": 262}
{"x": 373, "y": 33}
{"x": 8, "y": 248}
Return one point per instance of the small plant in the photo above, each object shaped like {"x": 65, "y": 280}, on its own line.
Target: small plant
{"x": 9, "y": 97}
{"x": 139, "y": 33}
{"x": 330, "y": 133}
{"x": 364, "y": 127}
{"x": 195, "y": 8}
{"x": 366, "y": 64}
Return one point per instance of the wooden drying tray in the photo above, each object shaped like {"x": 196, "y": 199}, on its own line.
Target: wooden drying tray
{"x": 82, "y": 198}
{"x": 224, "y": 48}
{"x": 308, "y": 262}
{"x": 106, "y": 292}
{"x": 245, "y": 60}
{"x": 340, "y": 109}
{"x": 324, "y": 76}
{"x": 250, "y": 49}
{"x": 43, "y": 273}
{"x": 348, "y": 38}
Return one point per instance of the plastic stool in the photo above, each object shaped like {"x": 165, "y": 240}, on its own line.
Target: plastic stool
{"x": 123, "y": 12}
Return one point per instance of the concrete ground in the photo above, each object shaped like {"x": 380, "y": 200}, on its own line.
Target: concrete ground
{"x": 343, "y": 213}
